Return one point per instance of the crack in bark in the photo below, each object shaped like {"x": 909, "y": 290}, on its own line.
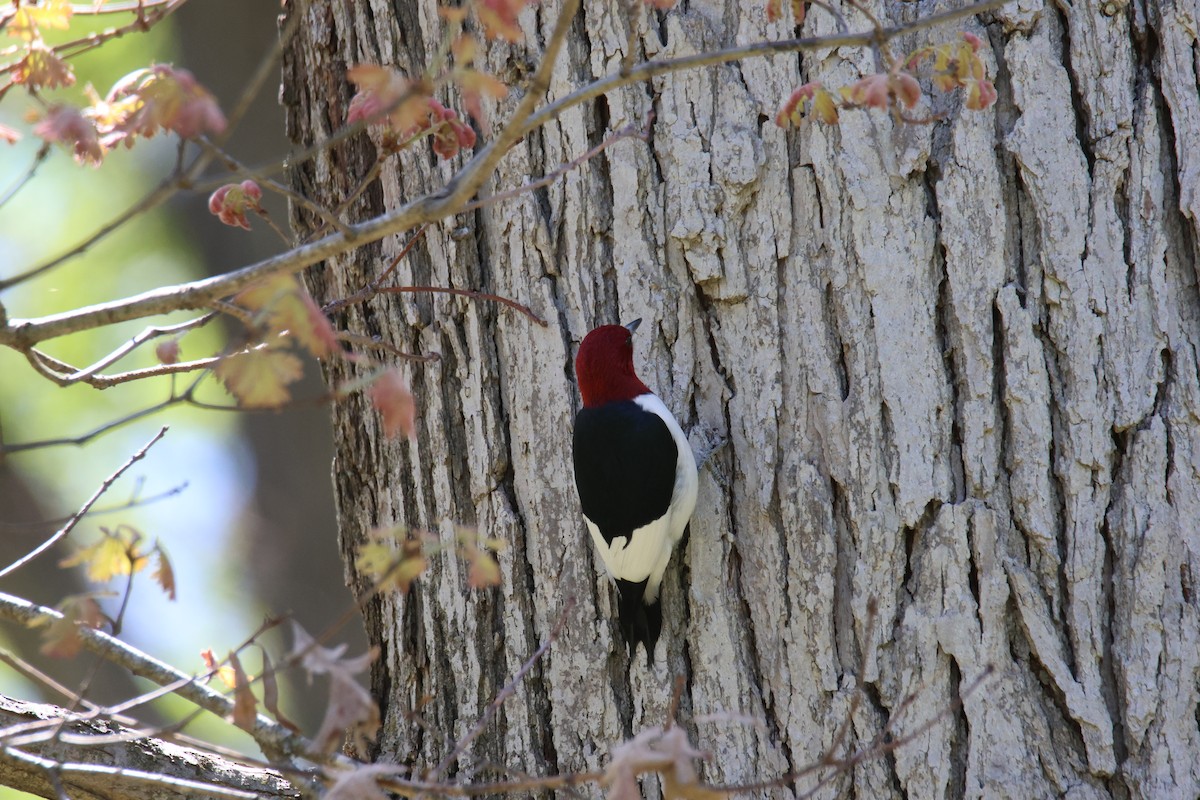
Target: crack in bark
{"x": 1078, "y": 105}
{"x": 1110, "y": 686}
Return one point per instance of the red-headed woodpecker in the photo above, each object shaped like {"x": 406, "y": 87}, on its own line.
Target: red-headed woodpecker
{"x": 636, "y": 477}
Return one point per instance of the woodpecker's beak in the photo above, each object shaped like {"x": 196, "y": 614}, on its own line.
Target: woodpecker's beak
{"x": 633, "y": 326}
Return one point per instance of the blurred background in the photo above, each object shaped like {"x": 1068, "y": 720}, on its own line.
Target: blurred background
{"x": 253, "y": 532}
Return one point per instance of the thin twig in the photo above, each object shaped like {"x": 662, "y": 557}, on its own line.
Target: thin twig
{"x": 373, "y": 343}
{"x": 74, "y": 520}
{"x": 628, "y": 132}
{"x": 20, "y": 182}
{"x": 471, "y": 293}
{"x": 23, "y": 333}
{"x": 368, "y": 291}
{"x": 266, "y": 732}
{"x": 8, "y": 449}
{"x": 64, "y": 374}
{"x": 180, "y": 179}
{"x": 240, "y": 170}
{"x": 504, "y": 693}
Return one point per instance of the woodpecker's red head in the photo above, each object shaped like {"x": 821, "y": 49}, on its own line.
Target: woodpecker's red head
{"x": 604, "y": 366}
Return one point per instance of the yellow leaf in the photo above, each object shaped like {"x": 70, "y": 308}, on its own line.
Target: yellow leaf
{"x": 225, "y": 673}
{"x": 391, "y": 566}
{"x": 25, "y": 24}
{"x": 484, "y": 570}
{"x": 284, "y": 306}
{"x": 115, "y": 553}
{"x": 259, "y": 378}
{"x": 824, "y": 108}
{"x": 464, "y": 48}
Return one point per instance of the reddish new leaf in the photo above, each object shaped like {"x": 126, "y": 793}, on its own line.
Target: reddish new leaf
{"x": 958, "y": 65}
{"x": 157, "y": 98}
{"x": 385, "y": 97}
{"x": 450, "y": 134}
{"x": 259, "y": 378}
{"x": 167, "y": 351}
{"x": 907, "y": 90}
{"x": 67, "y": 125}
{"x": 873, "y": 91}
{"x": 980, "y": 95}
{"x": 821, "y": 105}
{"x": 499, "y": 18}
{"x": 231, "y": 202}
{"x": 389, "y": 394}
{"x": 475, "y": 86}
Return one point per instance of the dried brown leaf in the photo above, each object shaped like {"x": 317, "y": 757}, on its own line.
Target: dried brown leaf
{"x": 244, "y": 703}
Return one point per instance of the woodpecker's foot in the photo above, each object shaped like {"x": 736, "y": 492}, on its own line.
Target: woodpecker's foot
{"x": 706, "y": 443}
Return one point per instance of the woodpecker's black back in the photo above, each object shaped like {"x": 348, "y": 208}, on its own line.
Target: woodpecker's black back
{"x": 624, "y": 467}
{"x": 625, "y": 470}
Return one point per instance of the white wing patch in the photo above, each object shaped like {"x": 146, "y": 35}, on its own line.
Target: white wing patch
{"x": 646, "y": 556}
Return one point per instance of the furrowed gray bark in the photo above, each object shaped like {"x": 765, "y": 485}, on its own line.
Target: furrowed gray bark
{"x": 955, "y": 365}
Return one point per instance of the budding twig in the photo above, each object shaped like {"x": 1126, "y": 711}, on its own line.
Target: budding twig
{"x": 74, "y": 520}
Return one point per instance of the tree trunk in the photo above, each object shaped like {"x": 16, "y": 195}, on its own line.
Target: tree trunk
{"x": 955, "y": 365}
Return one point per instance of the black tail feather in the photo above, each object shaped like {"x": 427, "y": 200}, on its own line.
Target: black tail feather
{"x": 639, "y": 622}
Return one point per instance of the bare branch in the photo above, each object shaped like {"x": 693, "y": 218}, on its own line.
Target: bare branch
{"x": 134, "y": 502}
{"x": 24, "y": 333}
{"x": 628, "y": 132}
{"x": 66, "y": 374}
{"x": 269, "y": 734}
{"x": 20, "y": 182}
{"x": 471, "y": 293}
{"x": 8, "y": 449}
{"x": 652, "y": 69}
{"x": 74, "y": 520}
{"x": 88, "y": 771}
{"x": 180, "y": 179}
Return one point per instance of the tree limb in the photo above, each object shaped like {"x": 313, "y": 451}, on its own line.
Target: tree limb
{"x": 270, "y": 735}
{"x": 134, "y": 769}
{"x": 25, "y": 333}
